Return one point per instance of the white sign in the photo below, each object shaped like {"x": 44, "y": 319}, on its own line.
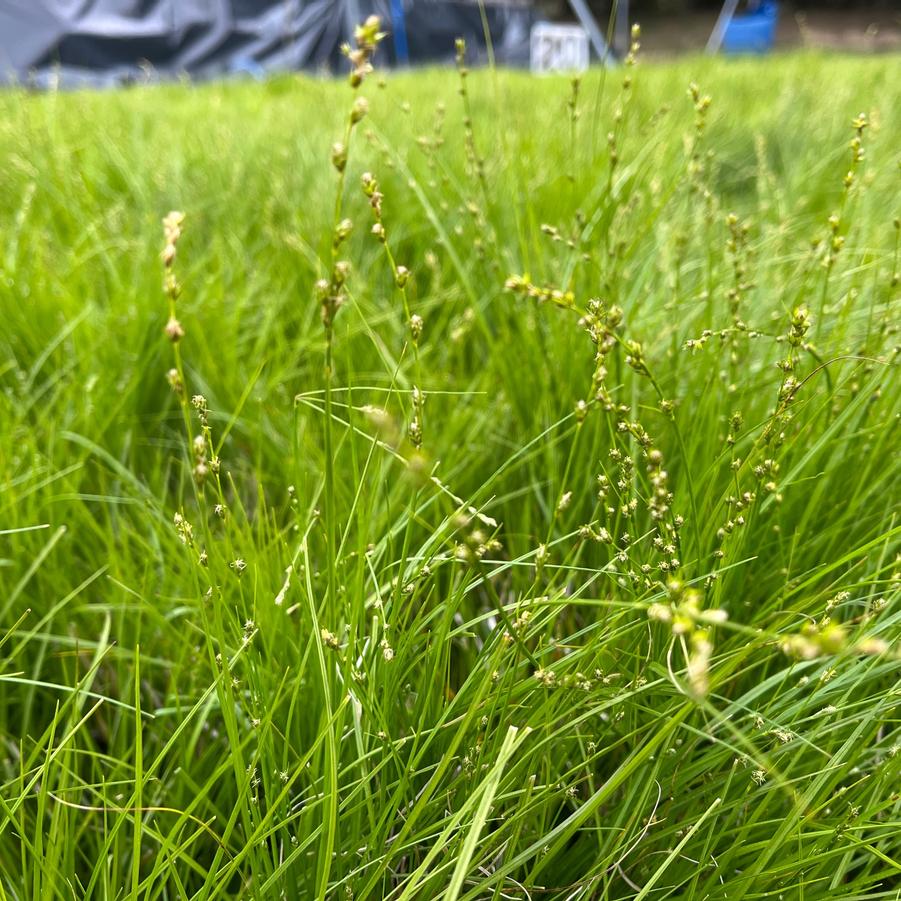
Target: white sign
{"x": 558, "y": 48}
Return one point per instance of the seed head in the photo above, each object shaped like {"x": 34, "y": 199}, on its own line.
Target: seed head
{"x": 359, "y": 110}
{"x": 174, "y": 331}
{"x": 339, "y": 156}
{"x": 184, "y": 529}
{"x": 340, "y": 272}
{"x": 172, "y": 225}
{"x": 329, "y": 639}
{"x": 174, "y": 380}
{"x": 367, "y": 37}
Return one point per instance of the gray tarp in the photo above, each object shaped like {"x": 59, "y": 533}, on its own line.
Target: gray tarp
{"x": 109, "y": 41}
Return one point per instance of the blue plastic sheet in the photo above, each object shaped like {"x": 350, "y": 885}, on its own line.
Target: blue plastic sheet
{"x": 73, "y": 42}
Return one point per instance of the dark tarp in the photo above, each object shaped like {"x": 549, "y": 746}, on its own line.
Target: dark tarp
{"x": 116, "y": 41}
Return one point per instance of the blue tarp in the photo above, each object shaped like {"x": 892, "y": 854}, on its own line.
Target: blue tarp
{"x": 115, "y": 41}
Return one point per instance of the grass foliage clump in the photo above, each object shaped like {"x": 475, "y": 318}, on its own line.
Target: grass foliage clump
{"x": 497, "y": 500}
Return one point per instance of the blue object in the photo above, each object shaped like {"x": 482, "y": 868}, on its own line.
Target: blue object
{"x": 753, "y": 32}
{"x": 399, "y": 27}
{"x": 246, "y": 65}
